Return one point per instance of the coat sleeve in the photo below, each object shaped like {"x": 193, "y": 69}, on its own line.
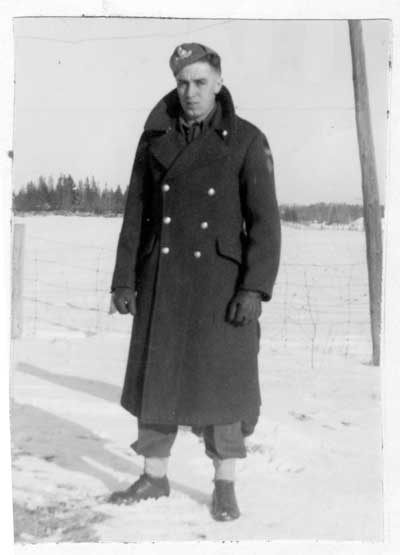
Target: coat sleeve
{"x": 261, "y": 215}
{"x": 128, "y": 243}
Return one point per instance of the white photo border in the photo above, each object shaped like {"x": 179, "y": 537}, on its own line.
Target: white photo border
{"x": 282, "y": 9}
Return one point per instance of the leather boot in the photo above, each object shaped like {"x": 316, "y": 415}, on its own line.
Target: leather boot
{"x": 146, "y": 487}
{"x": 224, "y": 505}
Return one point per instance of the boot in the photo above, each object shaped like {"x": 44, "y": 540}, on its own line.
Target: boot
{"x": 146, "y": 487}
{"x": 224, "y": 505}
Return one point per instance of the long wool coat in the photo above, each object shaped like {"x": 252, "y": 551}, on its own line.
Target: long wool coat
{"x": 201, "y": 220}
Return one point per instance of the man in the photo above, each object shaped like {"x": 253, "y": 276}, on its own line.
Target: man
{"x": 198, "y": 252}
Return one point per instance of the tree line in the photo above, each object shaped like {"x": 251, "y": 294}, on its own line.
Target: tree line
{"x": 67, "y": 196}
{"x": 322, "y": 212}
{"x": 87, "y": 197}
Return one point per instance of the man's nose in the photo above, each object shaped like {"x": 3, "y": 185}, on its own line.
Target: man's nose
{"x": 191, "y": 90}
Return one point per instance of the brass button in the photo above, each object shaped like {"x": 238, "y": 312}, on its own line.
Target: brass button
{"x": 167, "y": 220}
{"x": 165, "y": 250}
{"x": 197, "y": 254}
{"x": 211, "y": 191}
{"x": 204, "y": 225}
{"x": 224, "y": 133}
{"x": 166, "y": 187}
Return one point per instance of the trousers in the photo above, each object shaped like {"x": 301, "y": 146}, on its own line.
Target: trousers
{"x": 221, "y": 441}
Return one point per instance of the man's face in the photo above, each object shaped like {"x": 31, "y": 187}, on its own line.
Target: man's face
{"x": 197, "y": 85}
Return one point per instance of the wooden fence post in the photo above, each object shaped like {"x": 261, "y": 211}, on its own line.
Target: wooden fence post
{"x": 17, "y": 280}
{"x": 372, "y": 210}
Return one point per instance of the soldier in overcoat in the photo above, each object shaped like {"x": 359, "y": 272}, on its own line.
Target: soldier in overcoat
{"x": 197, "y": 254}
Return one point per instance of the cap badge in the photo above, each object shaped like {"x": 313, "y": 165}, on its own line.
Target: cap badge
{"x": 182, "y": 53}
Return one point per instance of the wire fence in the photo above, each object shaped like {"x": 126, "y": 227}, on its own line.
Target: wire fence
{"x": 321, "y": 307}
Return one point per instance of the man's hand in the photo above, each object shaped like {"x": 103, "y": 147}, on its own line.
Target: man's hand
{"x": 124, "y": 300}
{"x": 245, "y": 307}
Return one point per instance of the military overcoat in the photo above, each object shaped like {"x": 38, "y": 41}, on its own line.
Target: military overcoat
{"x": 201, "y": 220}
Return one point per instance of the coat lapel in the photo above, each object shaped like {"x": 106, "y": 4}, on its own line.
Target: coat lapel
{"x": 201, "y": 152}
{"x": 177, "y": 157}
{"x": 166, "y": 147}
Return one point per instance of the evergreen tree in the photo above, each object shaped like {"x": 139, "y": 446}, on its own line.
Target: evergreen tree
{"x": 119, "y": 201}
{"x": 43, "y": 196}
{"x": 51, "y": 193}
{"x": 68, "y": 194}
{"x": 32, "y": 198}
{"x": 58, "y": 193}
{"x": 85, "y": 198}
{"x": 79, "y": 195}
{"x": 94, "y": 197}
{"x": 107, "y": 201}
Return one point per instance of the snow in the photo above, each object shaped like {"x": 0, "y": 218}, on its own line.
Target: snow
{"x": 314, "y": 465}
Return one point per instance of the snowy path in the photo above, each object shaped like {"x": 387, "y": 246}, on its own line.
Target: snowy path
{"x": 313, "y": 469}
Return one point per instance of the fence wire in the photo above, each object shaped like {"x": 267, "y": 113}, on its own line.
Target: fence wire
{"x": 318, "y": 306}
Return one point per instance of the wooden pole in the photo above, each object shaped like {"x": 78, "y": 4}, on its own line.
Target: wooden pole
{"x": 17, "y": 280}
{"x": 372, "y": 211}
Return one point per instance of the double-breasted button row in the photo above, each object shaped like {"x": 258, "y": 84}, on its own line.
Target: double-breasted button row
{"x": 196, "y": 254}
{"x": 167, "y": 219}
{"x": 165, "y": 187}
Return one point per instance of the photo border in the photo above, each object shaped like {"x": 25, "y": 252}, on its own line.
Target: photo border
{"x": 283, "y": 9}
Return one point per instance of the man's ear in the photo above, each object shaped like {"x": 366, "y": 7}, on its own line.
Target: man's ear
{"x": 218, "y": 84}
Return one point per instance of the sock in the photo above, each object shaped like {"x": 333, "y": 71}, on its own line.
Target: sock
{"x": 224, "y": 469}
{"x": 156, "y": 466}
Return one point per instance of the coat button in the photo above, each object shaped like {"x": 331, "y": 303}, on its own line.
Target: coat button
{"x": 224, "y": 133}
{"x": 197, "y": 254}
{"x": 167, "y": 220}
{"x": 204, "y": 225}
{"x": 211, "y": 192}
{"x": 165, "y": 250}
{"x": 166, "y": 187}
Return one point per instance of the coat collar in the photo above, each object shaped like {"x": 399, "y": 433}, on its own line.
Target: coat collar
{"x": 164, "y": 115}
{"x": 168, "y": 146}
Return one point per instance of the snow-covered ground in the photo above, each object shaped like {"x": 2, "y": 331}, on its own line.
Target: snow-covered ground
{"x": 314, "y": 466}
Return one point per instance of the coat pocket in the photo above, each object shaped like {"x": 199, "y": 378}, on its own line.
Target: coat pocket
{"x": 229, "y": 248}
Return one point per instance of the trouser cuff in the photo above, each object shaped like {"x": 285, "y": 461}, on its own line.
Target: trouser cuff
{"x": 224, "y": 441}
{"x": 154, "y": 440}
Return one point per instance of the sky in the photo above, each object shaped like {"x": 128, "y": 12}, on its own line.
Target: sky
{"x": 84, "y": 87}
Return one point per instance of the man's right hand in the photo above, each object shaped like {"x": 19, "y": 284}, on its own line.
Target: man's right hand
{"x": 124, "y": 300}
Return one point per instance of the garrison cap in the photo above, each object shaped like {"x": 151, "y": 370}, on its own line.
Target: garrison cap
{"x": 188, "y": 53}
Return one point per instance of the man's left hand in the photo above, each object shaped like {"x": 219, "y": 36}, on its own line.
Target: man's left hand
{"x": 245, "y": 307}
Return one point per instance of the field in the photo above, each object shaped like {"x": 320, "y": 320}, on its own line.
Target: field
{"x": 314, "y": 468}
